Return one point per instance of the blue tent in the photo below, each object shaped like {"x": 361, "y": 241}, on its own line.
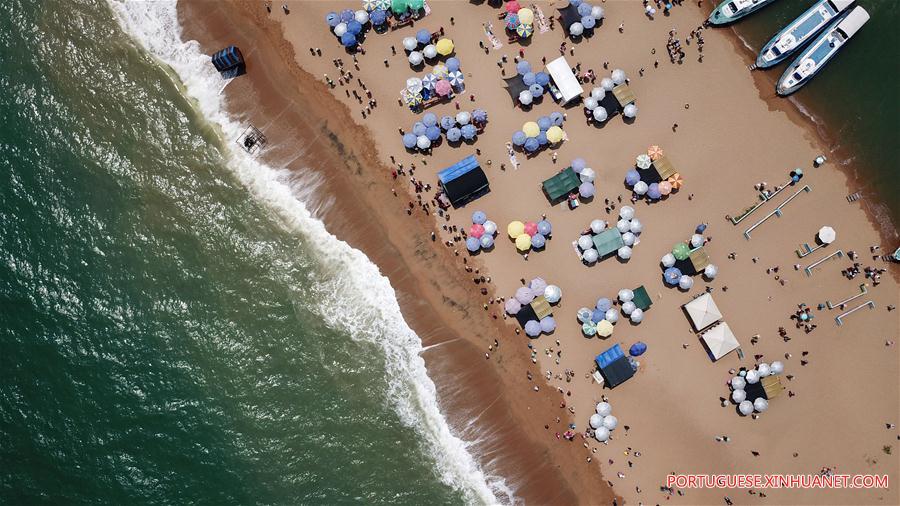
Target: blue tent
{"x": 229, "y": 59}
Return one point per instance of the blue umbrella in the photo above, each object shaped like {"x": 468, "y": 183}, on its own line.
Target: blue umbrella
{"x": 604, "y": 304}
{"x": 423, "y": 36}
{"x": 700, "y": 228}
{"x": 523, "y": 67}
{"x": 473, "y": 244}
{"x": 557, "y": 118}
{"x": 487, "y": 241}
{"x": 519, "y": 138}
{"x": 454, "y": 134}
{"x": 536, "y": 90}
{"x": 333, "y": 19}
{"x": 532, "y": 328}
{"x": 588, "y": 22}
{"x": 468, "y": 131}
{"x": 346, "y": 15}
{"x": 586, "y": 190}
{"x": 632, "y": 177}
{"x": 479, "y": 217}
{"x": 448, "y": 122}
{"x": 378, "y": 17}
{"x": 584, "y": 10}
{"x": 348, "y": 39}
{"x": 452, "y": 64}
{"x": 532, "y": 144}
{"x": 479, "y": 116}
{"x": 597, "y": 315}
{"x": 548, "y": 324}
{"x": 637, "y": 349}
{"x": 578, "y": 164}
{"x": 430, "y": 119}
{"x": 528, "y": 78}
{"x": 433, "y": 133}
{"x": 653, "y": 191}
{"x": 671, "y": 275}
{"x": 354, "y": 27}
{"x": 544, "y": 123}
{"x": 542, "y": 78}
{"x": 419, "y": 128}
{"x": 538, "y": 241}
{"x": 409, "y": 140}
{"x": 542, "y": 138}
{"x": 544, "y": 228}
{"x": 575, "y": 3}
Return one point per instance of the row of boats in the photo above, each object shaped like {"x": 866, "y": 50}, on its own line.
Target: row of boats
{"x": 829, "y": 24}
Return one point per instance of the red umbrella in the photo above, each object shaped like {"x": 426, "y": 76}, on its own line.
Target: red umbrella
{"x": 512, "y": 6}
{"x": 442, "y": 87}
{"x": 476, "y": 230}
{"x": 531, "y": 228}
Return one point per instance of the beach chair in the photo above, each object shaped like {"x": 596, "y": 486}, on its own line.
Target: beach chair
{"x": 598, "y": 378}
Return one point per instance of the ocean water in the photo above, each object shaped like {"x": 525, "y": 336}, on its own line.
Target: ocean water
{"x": 175, "y": 326}
{"x": 853, "y": 100}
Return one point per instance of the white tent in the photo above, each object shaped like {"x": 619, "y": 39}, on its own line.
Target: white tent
{"x": 720, "y": 340}
{"x": 561, "y": 73}
{"x": 703, "y": 311}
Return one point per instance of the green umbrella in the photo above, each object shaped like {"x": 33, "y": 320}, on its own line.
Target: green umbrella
{"x": 399, "y": 6}
{"x": 681, "y": 251}
{"x": 416, "y": 4}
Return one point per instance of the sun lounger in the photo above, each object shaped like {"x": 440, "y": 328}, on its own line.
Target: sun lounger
{"x": 543, "y": 25}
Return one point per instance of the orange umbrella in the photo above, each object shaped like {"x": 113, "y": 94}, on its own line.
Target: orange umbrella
{"x": 655, "y": 152}
{"x": 676, "y": 181}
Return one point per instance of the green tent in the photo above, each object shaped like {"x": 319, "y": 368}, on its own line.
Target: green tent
{"x": 608, "y": 241}
{"x": 561, "y": 184}
{"x": 641, "y": 299}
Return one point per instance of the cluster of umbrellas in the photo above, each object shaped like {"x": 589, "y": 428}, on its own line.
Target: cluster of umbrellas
{"x": 525, "y": 295}
{"x": 603, "y": 422}
{"x": 598, "y": 321}
{"x": 587, "y": 175}
{"x": 535, "y": 135}
{"x": 653, "y": 191}
{"x": 348, "y": 25}
{"x": 428, "y": 131}
{"x": 442, "y": 81}
{"x": 519, "y": 20}
{"x": 422, "y": 40}
{"x": 537, "y": 82}
{"x": 629, "y": 308}
{"x": 739, "y": 383}
{"x": 592, "y": 107}
{"x": 481, "y": 233}
{"x": 590, "y": 15}
{"x": 529, "y": 235}
{"x": 628, "y": 226}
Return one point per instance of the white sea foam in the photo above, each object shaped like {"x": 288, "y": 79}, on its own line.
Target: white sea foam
{"x": 368, "y": 304}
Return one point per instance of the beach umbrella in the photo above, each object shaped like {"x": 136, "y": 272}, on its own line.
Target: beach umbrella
{"x": 628, "y": 308}
{"x": 596, "y": 421}
{"x": 544, "y": 228}
{"x": 588, "y": 22}
{"x": 552, "y": 294}
{"x": 422, "y": 142}
{"x": 442, "y": 87}
{"x": 473, "y": 244}
{"x": 428, "y": 81}
{"x": 447, "y": 122}
{"x": 738, "y": 396}
{"x": 653, "y": 191}
{"x": 532, "y": 328}
{"x": 548, "y": 324}
{"x": 603, "y": 304}
{"x": 532, "y": 144}
{"x": 597, "y": 315}
{"x": 525, "y": 97}
{"x": 490, "y": 228}
{"x": 530, "y": 227}
{"x": 555, "y": 135}
{"x": 333, "y": 19}
{"x": 672, "y": 275}
{"x": 603, "y": 408}
{"x": 777, "y": 367}
{"x": 630, "y": 111}
{"x": 409, "y": 140}
{"x": 529, "y": 78}
{"x": 523, "y": 242}
{"x": 827, "y": 235}
{"x": 512, "y": 306}
{"x": 607, "y": 84}
{"x": 643, "y": 161}
{"x": 654, "y": 152}
{"x": 601, "y": 434}
{"x": 524, "y": 30}
{"x": 745, "y": 407}
{"x": 515, "y": 229}
{"x": 526, "y": 16}
{"x": 463, "y": 117}
{"x": 675, "y": 181}
{"x": 413, "y": 99}
{"x": 346, "y": 15}
{"x": 444, "y": 46}
{"x": 487, "y": 241}
{"x": 668, "y": 260}
{"x": 700, "y": 228}
{"x": 597, "y": 12}
{"x": 536, "y": 90}
{"x": 429, "y": 119}
{"x": 637, "y": 349}
{"x": 479, "y": 116}
{"x": 531, "y": 129}
{"x": 752, "y": 377}
{"x": 409, "y": 43}
{"x": 584, "y": 315}
{"x": 476, "y": 230}
{"x": 685, "y": 282}
{"x": 524, "y": 295}
{"x": 578, "y": 165}
{"x": 543, "y": 79}
{"x": 585, "y": 242}
{"x": 340, "y": 29}
{"x": 384, "y": 5}
{"x": 584, "y": 9}
{"x": 710, "y": 271}
{"x": 454, "y": 134}
{"x": 738, "y": 383}
{"x": 598, "y": 226}
{"x": 440, "y": 70}
{"x": 542, "y": 138}
{"x": 637, "y": 316}
{"x": 618, "y": 76}
{"x": 632, "y": 177}
{"x": 760, "y": 404}
{"x": 641, "y": 188}
{"x": 544, "y": 123}
{"x": 612, "y": 316}
{"x": 696, "y": 240}
{"x": 628, "y": 238}
{"x": 512, "y": 21}
{"x": 416, "y": 4}
{"x": 378, "y": 17}
{"x": 636, "y": 227}
{"x": 399, "y": 6}
{"x": 625, "y": 295}
{"x": 598, "y": 93}
{"x": 415, "y": 58}
{"x": 523, "y": 67}
{"x": 589, "y": 329}
{"x": 624, "y": 252}
{"x": 452, "y": 63}
{"x": 626, "y": 213}
{"x": 590, "y": 103}
{"x": 456, "y": 79}
{"x": 361, "y": 17}
{"x": 423, "y": 36}
{"x": 429, "y": 51}
{"x": 518, "y": 138}
{"x": 479, "y": 217}
{"x": 665, "y": 187}
{"x": 512, "y": 7}
{"x": 604, "y": 328}
{"x": 576, "y": 29}
{"x": 600, "y": 115}
{"x": 610, "y": 422}
{"x": 433, "y": 133}
{"x": 681, "y": 251}
{"x": 763, "y": 369}
{"x": 419, "y": 128}
{"x": 623, "y": 225}
{"x": 590, "y": 255}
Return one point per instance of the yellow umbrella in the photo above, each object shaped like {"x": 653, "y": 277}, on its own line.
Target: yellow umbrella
{"x": 523, "y": 242}
{"x": 515, "y": 229}
{"x": 526, "y": 16}
{"x": 676, "y": 181}
{"x": 531, "y": 129}
{"x": 604, "y": 328}
{"x": 554, "y": 134}
{"x": 444, "y": 46}
{"x": 655, "y": 152}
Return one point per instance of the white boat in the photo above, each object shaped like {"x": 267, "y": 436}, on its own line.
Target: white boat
{"x": 797, "y": 33}
{"x": 821, "y": 51}
{"x": 730, "y": 11}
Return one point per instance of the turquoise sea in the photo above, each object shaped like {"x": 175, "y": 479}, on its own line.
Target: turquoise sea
{"x": 170, "y": 330}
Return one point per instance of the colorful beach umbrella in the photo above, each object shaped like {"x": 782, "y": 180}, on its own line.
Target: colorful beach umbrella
{"x": 469, "y": 131}
{"x": 413, "y": 99}
{"x": 643, "y": 161}
{"x": 589, "y": 329}
{"x": 476, "y": 230}
{"x": 531, "y": 129}
{"x": 525, "y": 30}
{"x": 512, "y": 21}
{"x": 479, "y": 116}
{"x": 654, "y": 152}
{"x": 456, "y": 79}
{"x": 454, "y": 134}
{"x": 384, "y": 5}
{"x": 442, "y": 87}
{"x": 681, "y": 251}
{"x": 531, "y": 228}
{"x": 369, "y": 5}
{"x": 414, "y": 85}
{"x": 444, "y": 46}
{"x": 428, "y": 81}
{"x": 676, "y": 181}
{"x": 399, "y": 6}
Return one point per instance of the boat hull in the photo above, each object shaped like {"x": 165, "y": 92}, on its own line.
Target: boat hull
{"x": 719, "y": 17}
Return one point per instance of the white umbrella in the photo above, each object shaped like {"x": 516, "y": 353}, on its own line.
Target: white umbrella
{"x": 641, "y": 188}
{"x": 777, "y": 367}
{"x": 752, "y": 377}
{"x": 597, "y": 12}
{"x": 590, "y": 103}
{"x": 585, "y": 242}
{"x": 607, "y": 84}
{"x": 414, "y": 85}
{"x": 628, "y": 238}
{"x": 668, "y": 260}
{"x": 827, "y": 235}
{"x": 552, "y": 293}
{"x": 745, "y": 407}
{"x": 490, "y": 228}
{"x": 463, "y": 117}
{"x": 625, "y": 295}
{"x": 598, "y": 93}
{"x": 685, "y": 282}
{"x": 596, "y": 421}
{"x": 610, "y": 422}
{"x": 456, "y": 79}
{"x": 604, "y": 409}
{"x": 760, "y": 404}
{"x": 361, "y": 17}
{"x": 738, "y": 396}
{"x": 626, "y": 212}
{"x": 628, "y": 308}
{"x": 587, "y": 175}
{"x": 598, "y": 226}
{"x": 590, "y": 256}
{"x": 624, "y": 252}
{"x": 710, "y": 271}
{"x": 738, "y": 383}
{"x": 340, "y": 29}
{"x": 409, "y": 43}
{"x": 525, "y": 97}
{"x": 763, "y": 369}
{"x": 600, "y": 114}
{"x": 429, "y": 51}
{"x": 612, "y": 316}
{"x": 643, "y": 161}
{"x": 636, "y": 226}
{"x": 415, "y": 58}
{"x": 602, "y": 434}
{"x": 637, "y": 315}
{"x": 630, "y": 111}
{"x": 618, "y": 76}
{"x": 623, "y": 225}
{"x": 696, "y": 240}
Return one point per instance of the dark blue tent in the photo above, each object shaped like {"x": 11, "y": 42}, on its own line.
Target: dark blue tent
{"x": 229, "y": 62}
{"x": 614, "y": 366}
{"x": 463, "y": 181}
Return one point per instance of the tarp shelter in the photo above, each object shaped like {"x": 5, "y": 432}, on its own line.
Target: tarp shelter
{"x": 526, "y": 314}
{"x": 772, "y": 386}
{"x": 703, "y": 311}
{"x": 720, "y": 341}
{"x": 608, "y": 241}
{"x": 614, "y": 366}
{"x": 541, "y": 307}
{"x": 663, "y": 167}
{"x": 561, "y": 73}
{"x": 229, "y": 62}
{"x": 567, "y": 16}
{"x": 755, "y": 391}
{"x": 699, "y": 259}
{"x": 463, "y": 181}
{"x": 623, "y": 95}
{"x": 560, "y": 185}
{"x": 641, "y": 298}
{"x": 514, "y": 86}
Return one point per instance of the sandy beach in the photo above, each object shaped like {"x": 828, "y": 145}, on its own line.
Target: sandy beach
{"x": 732, "y": 133}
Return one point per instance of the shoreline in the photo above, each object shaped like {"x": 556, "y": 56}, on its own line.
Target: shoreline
{"x": 442, "y": 320}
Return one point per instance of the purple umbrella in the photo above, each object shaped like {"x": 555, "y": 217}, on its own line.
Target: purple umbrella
{"x": 378, "y": 17}
{"x": 512, "y": 306}
{"x": 586, "y": 190}
{"x": 538, "y": 241}
{"x": 419, "y": 128}
{"x": 523, "y": 67}
{"x": 448, "y": 122}
{"x": 548, "y": 324}
{"x": 346, "y": 15}
{"x": 519, "y": 138}
{"x": 544, "y": 228}
{"x": 468, "y": 132}
{"x": 528, "y": 78}
{"x": 632, "y": 177}
{"x": 532, "y": 328}
{"x": 454, "y": 134}
{"x": 653, "y": 191}
{"x": 532, "y": 144}
{"x": 479, "y": 116}
{"x": 524, "y": 295}
{"x": 433, "y": 133}
{"x": 536, "y": 90}
{"x": 597, "y": 315}
{"x": 429, "y": 119}
{"x": 578, "y": 164}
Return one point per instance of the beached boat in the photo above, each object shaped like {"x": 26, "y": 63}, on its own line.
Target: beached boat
{"x": 821, "y": 51}
{"x": 797, "y": 33}
{"x": 730, "y": 11}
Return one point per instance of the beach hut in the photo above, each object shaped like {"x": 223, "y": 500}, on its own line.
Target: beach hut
{"x": 229, "y": 62}
{"x": 720, "y": 341}
{"x": 560, "y": 185}
{"x": 703, "y": 311}
{"x": 641, "y": 299}
{"x": 463, "y": 181}
{"x": 567, "y": 85}
{"x": 608, "y": 241}
{"x": 614, "y": 366}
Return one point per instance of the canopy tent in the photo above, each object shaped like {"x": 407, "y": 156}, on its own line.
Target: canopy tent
{"x": 541, "y": 307}
{"x": 641, "y": 298}
{"x": 515, "y": 86}
{"x": 614, "y": 366}
{"x": 609, "y": 241}
{"x": 699, "y": 259}
{"x": 623, "y": 95}
{"x": 703, "y": 311}
{"x": 229, "y": 62}
{"x": 561, "y": 73}
{"x": 463, "y": 181}
{"x": 720, "y": 341}
{"x": 561, "y": 184}
{"x": 569, "y": 15}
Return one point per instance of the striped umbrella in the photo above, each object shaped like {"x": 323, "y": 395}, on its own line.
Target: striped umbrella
{"x": 413, "y": 99}
{"x": 440, "y": 70}
{"x": 676, "y": 181}
{"x": 654, "y": 152}
{"x": 369, "y": 5}
{"x": 525, "y": 30}
{"x": 428, "y": 81}
{"x": 456, "y": 79}
{"x": 384, "y": 5}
